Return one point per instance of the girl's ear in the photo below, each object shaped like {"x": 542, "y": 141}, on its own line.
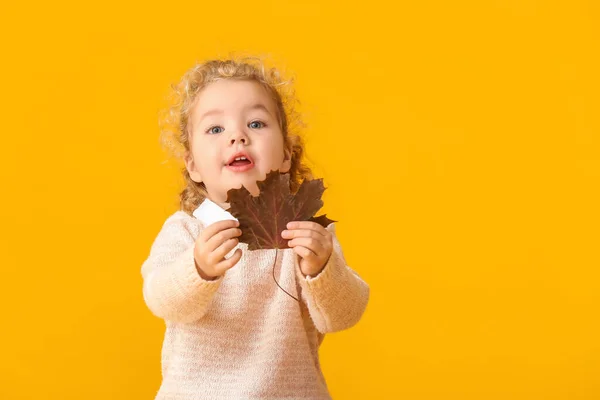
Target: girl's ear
{"x": 287, "y": 161}
{"x": 191, "y": 168}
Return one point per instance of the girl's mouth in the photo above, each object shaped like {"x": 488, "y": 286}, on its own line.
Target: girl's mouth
{"x": 240, "y": 165}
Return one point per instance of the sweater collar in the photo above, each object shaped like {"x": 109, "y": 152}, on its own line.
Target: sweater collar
{"x": 209, "y": 212}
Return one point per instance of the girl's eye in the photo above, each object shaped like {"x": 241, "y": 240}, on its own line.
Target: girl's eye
{"x": 211, "y": 129}
{"x": 259, "y": 122}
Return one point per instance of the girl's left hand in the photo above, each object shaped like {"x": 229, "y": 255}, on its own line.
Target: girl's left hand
{"x": 312, "y": 242}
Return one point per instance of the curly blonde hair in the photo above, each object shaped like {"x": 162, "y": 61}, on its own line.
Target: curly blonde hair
{"x": 174, "y": 119}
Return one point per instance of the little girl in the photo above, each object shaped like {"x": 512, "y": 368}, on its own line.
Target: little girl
{"x": 231, "y": 332}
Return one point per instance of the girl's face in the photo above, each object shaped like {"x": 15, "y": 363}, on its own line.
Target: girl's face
{"x": 228, "y": 118}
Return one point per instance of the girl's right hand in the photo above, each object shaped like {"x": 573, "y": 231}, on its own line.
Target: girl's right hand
{"x": 212, "y": 245}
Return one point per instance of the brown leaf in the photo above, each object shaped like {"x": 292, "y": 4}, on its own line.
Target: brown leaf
{"x": 264, "y": 217}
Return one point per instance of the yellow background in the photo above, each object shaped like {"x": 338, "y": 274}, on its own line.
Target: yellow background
{"x": 459, "y": 142}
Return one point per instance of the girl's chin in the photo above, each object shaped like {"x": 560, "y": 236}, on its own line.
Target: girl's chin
{"x": 250, "y": 183}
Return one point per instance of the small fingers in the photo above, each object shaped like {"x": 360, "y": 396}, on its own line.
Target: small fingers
{"x": 221, "y": 237}
{"x": 220, "y": 252}
{"x": 213, "y": 228}
{"x": 294, "y": 233}
{"x": 304, "y": 252}
{"x": 311, "y": 225}
{"x": 310, "y": 243}
{"x": 229, "y": 262}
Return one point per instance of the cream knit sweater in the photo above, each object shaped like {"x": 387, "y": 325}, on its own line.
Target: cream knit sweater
{"x": 241, "y": 336}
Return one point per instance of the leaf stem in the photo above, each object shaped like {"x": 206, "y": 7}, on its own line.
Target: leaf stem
{"x": 274, "y": 264}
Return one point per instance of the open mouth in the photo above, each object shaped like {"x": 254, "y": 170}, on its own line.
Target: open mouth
{"x": 240, "y": 164}
{"x": 240, "y": 161}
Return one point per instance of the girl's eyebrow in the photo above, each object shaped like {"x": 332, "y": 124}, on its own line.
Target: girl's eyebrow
{"x": 257, "y": 106}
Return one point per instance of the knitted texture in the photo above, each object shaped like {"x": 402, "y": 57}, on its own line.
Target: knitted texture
{"x": 241, "y": 336}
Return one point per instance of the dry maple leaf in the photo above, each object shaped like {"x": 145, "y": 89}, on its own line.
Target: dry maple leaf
{"x": 264, "y": 217}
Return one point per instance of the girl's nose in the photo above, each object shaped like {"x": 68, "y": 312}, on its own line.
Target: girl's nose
{"x": 239, "y": 136}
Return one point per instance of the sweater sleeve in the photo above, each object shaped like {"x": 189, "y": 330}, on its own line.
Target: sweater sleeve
{"x": 172, "y": 287}
{"x": 337, "y": 297}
